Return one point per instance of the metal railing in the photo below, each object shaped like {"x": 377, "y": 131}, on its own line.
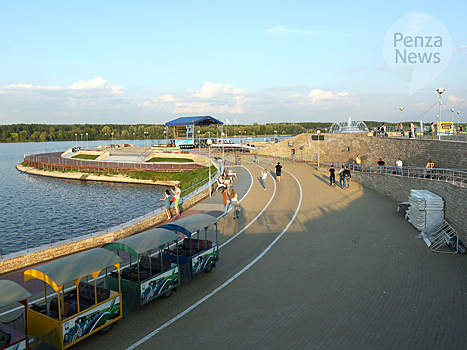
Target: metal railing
{"x": 457, "y": 136}
{"x": 47, "y": 240}
{"x": 456, "y": 177}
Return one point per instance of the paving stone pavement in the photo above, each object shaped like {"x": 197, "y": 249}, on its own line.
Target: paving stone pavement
{"x": 347, "y": 274}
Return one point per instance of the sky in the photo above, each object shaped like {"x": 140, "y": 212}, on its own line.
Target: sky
{"x": 121, "y": 62}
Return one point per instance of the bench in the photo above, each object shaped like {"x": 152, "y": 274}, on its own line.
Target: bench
{"x": 156, "y": 265}
{"x": 196, "y": 244}
{"x": 4, "y": 338}
{"x": 86, "y": 299}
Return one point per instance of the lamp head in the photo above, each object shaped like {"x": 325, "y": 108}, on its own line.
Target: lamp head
{"x": 452, "y": 110}
{"x": 440, "y": 90}
{"x": 209, "y": 142}
{"x": 319, "y": 131}
{"x": 401, "y": 108}
{"x": 458, "y": 112}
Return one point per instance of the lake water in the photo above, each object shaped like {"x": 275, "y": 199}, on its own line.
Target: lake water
{"x": 32, "y": 205}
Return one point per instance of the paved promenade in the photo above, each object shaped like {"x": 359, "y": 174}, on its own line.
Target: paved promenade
{"x": 318, "y": 268}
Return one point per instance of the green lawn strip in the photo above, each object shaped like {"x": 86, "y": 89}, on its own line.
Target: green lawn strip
{"x": 187, "y": 179}
{"x": 86, "y": 156}
{"x": 167, "y": 160}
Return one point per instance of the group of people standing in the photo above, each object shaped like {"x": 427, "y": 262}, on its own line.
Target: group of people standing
{"x": 230, "y": 199}
{"x": 344, "y": 177}
{"x": 168, "y": 198}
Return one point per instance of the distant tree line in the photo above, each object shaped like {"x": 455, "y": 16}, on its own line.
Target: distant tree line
{"x": 67, "y": 132}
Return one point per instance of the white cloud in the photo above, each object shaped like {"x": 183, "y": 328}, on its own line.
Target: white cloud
{"x": 226, "y": 99}
{"x": 211, "y": 98}
{"x": 281, "y": 29}
{"x": 316, "y": 96}
{"x": 455, "y": 100}
{"x": 461, "y": 49}
{"x": 96, "y": 87}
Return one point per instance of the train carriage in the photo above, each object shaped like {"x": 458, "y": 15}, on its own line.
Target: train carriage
{"x": 194, "y": 254}
{"x": 11, "y": 337}
{"x": 80, "y": 310}
{"x": 148, "y": 275}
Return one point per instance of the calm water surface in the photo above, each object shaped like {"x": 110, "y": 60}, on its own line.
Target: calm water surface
{"x": 32, "y": 205}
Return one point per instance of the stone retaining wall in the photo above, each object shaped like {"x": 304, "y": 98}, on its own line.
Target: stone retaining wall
{"x": 398, "y": 188}
{"x": 346, "y": 147}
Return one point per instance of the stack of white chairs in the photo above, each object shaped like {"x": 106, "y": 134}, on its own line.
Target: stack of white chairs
{"x": 426, "y": 208}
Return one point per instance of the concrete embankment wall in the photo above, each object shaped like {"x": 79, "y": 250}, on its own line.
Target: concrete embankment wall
{"x": 346, "y": 147}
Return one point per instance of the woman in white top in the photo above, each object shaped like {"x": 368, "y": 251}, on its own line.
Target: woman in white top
{"x": 399, "y": 166}
{"x": 176, "y": 196}
{"x": 264, "y": 176}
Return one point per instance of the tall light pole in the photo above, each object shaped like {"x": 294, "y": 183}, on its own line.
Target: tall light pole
{"x": 222, "y": 142}
{"x": 209, "y": 142}
{"x": 458, "y": 112}
{"x": 401, "y": 109}
{"x": 87, "y": 141}
{"x": 134, "y": 140}
{"x": 452, "y": 115}
{"x": 81, "y": 140}
{"x": 440, "y": 91}
{"x": 112, "y": 144}
{"x": 76, "y": 139}
{"x": 318, "y": 146}
{"x": 105, "y": 138}
{"x": 199, "y": 143}
{"x": 146, "y": 134}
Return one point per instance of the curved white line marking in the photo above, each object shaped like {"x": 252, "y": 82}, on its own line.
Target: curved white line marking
{"x": 153, "y": 333}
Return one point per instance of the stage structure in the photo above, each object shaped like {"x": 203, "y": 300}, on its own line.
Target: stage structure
{"x": 185, "y": 129}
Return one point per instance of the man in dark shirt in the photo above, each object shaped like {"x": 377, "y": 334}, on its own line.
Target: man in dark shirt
{"x": 332, "y": 176}
{"x": 278, "y": 171}
{"x": 381, "y": 165}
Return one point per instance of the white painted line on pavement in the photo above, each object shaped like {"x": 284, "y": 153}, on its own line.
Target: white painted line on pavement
{"x": 246, "y": 268}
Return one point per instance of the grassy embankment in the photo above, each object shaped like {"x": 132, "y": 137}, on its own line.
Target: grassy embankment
{"x": 86, "y": 156}
{"x": 186, "y": 179}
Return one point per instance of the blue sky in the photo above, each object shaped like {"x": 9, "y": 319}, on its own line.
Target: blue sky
{"x": 151, "y": 61}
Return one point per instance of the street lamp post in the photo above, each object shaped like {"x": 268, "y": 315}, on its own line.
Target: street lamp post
{"x": 199, "y": 143}
{"x": 81, "y": 140}
{"x": 222, "y": 142}
{"x": 111, "y": 145}
{"x": 318, "y": 146}
{"x": 452, "y": 116}
{"x": 76, "y": 140}
{"x": 87, "y": 141}
{"x": 146, "y": 135}
{"x": 209, "y": 142}
{"x": 105, "y": 138}
{"x": 458, "y": 112}
{"x": 401, "y": 109}
{"x": 440, "y": 91}
{"x": 134, "y": 140}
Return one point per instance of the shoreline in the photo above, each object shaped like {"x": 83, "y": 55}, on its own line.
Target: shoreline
{"x": 91, "y": 177}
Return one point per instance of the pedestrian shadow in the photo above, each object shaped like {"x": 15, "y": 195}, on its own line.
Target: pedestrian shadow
{"x": 261, "y": 182}
{"x": 273, "y": 175}
{"x": 322, "y": 178}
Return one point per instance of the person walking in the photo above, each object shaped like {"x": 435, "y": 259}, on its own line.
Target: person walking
{"x": 383, "y": 131}
{"x": 432, "y": 131}
{"x": 226, "y": 201}
{"x": 264, "y": 176}
{"x": 176, "y": 195}
{"x": 234, "y": 201}
{"x": 412, "y": 131}
{"x": 332, "y": 176}
{"x": 402, "y": 130}
{"x": 278, "y": 171}
{"x": 381, "y": 165}
{"x": 341, "y": 176}
{"x": 167, "y": 199}
{"x": 399, "y": 166}
{"x": 347, "y": 177}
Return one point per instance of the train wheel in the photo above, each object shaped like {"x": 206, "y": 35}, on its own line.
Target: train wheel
{"x": 208, "y": 269}
{"x": 168, "y": 294}
{"x": 106, "y": 329}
